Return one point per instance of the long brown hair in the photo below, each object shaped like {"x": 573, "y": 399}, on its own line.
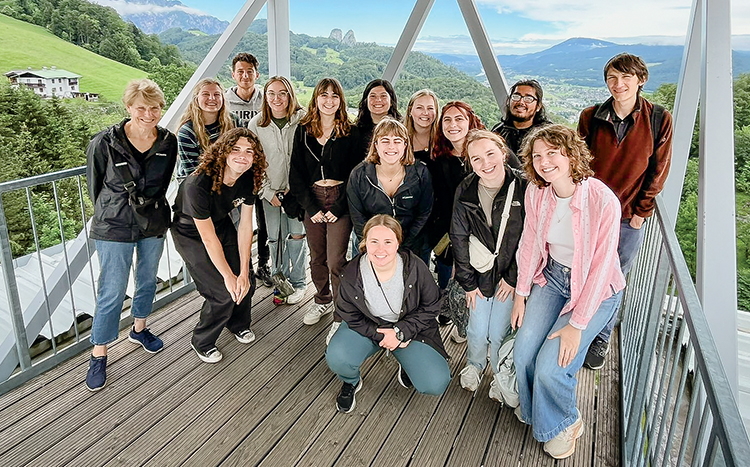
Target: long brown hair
{"x": 194, "y": 114}
{"x": 443, "y": 147}
{"x": 214, "y": 161}
{"x": 292, "y": 106}
{"x": 570, "y": 145}
{"x": 311, "y": 121}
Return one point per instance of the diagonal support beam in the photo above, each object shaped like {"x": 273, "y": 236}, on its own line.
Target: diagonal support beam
{"x": 213, "y": 62}
{"x": 408, "y": 38}
{"x": 482, "y": 43}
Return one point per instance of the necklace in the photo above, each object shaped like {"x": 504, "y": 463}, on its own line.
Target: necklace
{"x": 400, "y": 173}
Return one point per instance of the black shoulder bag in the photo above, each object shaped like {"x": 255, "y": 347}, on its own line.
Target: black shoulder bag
{"x": 153, "y": 215}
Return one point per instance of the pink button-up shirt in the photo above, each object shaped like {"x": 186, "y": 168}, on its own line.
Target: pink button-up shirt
{"x": 596, "y": 273}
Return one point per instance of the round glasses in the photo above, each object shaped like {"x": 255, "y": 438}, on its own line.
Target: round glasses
{"x": 515, "y": 97}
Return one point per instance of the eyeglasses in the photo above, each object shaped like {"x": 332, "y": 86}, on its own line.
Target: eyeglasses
{"x": 515, "y": 97}
{"x": 273, "y": 95}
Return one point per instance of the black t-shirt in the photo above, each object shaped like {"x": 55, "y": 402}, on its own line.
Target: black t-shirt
{"x": 195, "y": 200}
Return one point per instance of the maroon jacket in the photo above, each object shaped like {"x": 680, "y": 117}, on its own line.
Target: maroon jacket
{"x": 631, "y": 168}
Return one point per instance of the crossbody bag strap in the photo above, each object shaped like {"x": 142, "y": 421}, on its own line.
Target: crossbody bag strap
{"x": 505, "y": 216}
{"x": 123, "y": 169}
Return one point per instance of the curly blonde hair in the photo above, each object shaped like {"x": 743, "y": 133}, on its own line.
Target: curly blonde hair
{"x": 195, "y": 114}
{"x": 214, "y": 161}
{"x": 568, "y": 142}
{"x": 389, "y": 126}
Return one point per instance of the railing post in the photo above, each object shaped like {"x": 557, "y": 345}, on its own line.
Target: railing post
{"x": 11, "y": 289}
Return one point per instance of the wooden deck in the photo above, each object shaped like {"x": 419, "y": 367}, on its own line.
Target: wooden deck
{"x": 272, "y": 403}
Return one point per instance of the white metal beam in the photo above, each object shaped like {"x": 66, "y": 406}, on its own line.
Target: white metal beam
{"x": 685, "y": 110}
{"x": 279, "y": 55}
{"x": 213, "y": 62}
{"x": 482, "y": 44}
{"x": 717, "y": 252}
{"x": 408, "y": 38}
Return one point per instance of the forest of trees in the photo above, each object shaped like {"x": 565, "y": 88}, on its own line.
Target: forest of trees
{"x": 98, "y": 29}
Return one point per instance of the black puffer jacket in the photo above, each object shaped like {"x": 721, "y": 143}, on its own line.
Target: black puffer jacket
{"x": 113, "y": 216}
{"x": 339, "y": 157}
{"x": 411, "y": 205}
{"x": 469, "y": 219}
{"x": 418, "y": 310}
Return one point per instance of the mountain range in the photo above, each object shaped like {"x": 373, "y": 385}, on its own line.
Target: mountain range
{"x": 155, "y": 16}
{"x": 579, "y": 61}
{"x": 576, "y": 61}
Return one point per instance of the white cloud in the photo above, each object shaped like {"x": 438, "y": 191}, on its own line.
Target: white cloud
{"x": 597, "y": 18}
{"x": 123, "y": 7}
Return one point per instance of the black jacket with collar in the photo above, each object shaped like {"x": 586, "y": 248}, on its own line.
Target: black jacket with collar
{"x": 411, "y": 205}
{"x": 418, "y": 310}
{"x": 113, "y": 216}
{"x": 469, "y": 219}
{"x": 339, "y": 157}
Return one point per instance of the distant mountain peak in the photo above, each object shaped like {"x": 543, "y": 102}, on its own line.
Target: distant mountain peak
{"x": 336, "y": 35}
{"x": 156, "y": 16}
{"x": 581, "y": 43}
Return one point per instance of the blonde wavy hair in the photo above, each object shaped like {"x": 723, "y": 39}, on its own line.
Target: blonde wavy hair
{"x": 292, "y": 106}
{"x": 194, "y": 114}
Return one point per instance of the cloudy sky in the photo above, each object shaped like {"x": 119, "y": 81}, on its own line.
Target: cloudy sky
{"x": 514, "y": 26}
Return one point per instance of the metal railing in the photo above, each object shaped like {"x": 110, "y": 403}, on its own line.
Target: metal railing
{"x": 61, "y": 200}
{"x": 677, "y": 404}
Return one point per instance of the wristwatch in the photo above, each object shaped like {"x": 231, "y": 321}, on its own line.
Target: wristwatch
{"x": 399, "y": 333}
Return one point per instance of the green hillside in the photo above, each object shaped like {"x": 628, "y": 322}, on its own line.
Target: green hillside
{"x": 25, "y": 45}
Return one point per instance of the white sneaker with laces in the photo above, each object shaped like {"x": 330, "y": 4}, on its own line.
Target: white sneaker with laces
{"x": 316, "y": 312}
{"x": 563, "y": 445}
{"x": 470, "y": 378}
{"x": 334, "y": 327}
{"x": 245, "y": 337}
{"x": 296, "y": 297}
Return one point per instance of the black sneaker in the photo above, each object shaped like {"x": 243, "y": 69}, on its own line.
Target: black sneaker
{"x": 598, "y": 350}
{"x": 264, "y": 275}
{"x": 96, "y": 377}
{"x": 444, "y": 320}
{"x": 345, "y": 402}
{"x": 403, "y": 378}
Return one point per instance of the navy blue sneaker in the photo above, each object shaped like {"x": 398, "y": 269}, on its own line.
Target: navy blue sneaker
{"x": 150, "y": 342}
{"x": 96, "y": 377}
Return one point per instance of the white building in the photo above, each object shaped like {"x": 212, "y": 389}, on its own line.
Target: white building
{"x": 47, "y": 82}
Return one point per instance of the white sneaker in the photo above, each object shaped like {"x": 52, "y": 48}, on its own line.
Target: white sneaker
{"x": 495, "y": 393}
{"x": 564, "y": 444}
{"x": 316, "y": 312}
{"x": 517, "y": 412}
{"x": 296, "y": 297}
{"x": 456, "y": 337}
{"x": 334, "y": 328}
{"x": 470, "y": 378}
{"x": 245, "y": 337}
{"x": 212, "y": 355}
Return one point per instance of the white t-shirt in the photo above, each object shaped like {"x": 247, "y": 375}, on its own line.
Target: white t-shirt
{"x": 560, "y": 235}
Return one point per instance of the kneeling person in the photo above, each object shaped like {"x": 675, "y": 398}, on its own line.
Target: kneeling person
{"x": 216, "y": 254}
{"x": 387, "y": 299}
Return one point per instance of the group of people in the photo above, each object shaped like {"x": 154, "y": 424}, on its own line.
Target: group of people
{"x": 536, "y": 222}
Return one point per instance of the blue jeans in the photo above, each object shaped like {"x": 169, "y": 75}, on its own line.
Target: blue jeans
{"x": 630, "y": 244}
{"x": 427, "y": 369}
{"x": 489, "y": 322}
{"x": 115, "y": 260}
{"x": 293, "y": 250}
{"x": 547, "y": 392}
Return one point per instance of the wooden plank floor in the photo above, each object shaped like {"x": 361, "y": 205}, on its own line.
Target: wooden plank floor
{"x": 272, "y": 403}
